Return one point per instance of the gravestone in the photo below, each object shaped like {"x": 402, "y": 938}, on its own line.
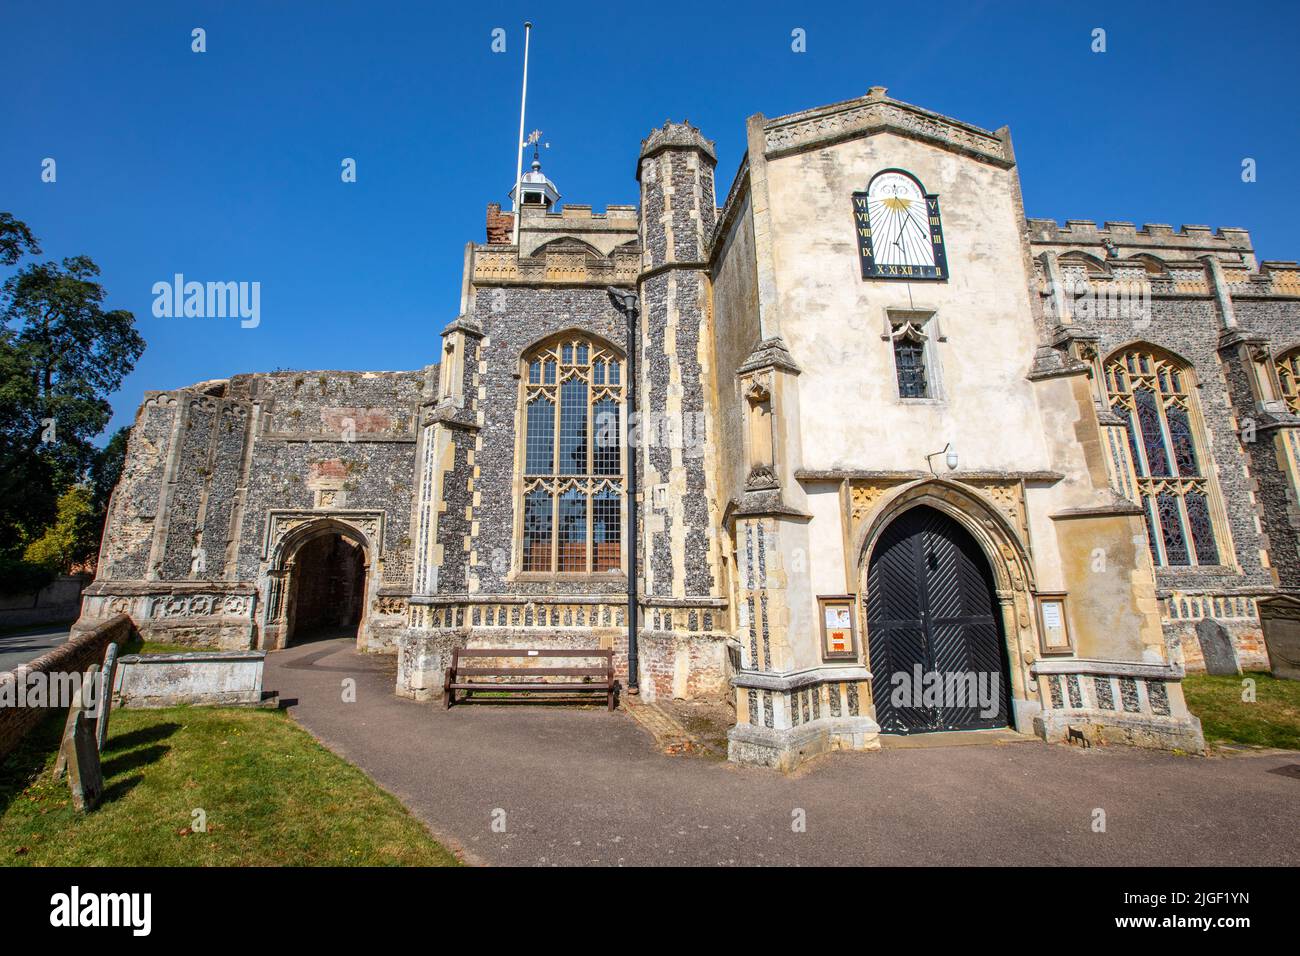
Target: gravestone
{"x": 61, "y": 762}
{"x": 105, "y": 695}
{"x": 1279, "y": 619}
{"x": 85, "y": 776}
{"x": 1216, "y": 648}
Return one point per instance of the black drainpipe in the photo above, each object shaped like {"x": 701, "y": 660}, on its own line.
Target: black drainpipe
{"x": 628, "y": 303}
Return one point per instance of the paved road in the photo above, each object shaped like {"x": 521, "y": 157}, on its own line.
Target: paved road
{"x": 29, "y": 644}
{"x": 583, "y": 786}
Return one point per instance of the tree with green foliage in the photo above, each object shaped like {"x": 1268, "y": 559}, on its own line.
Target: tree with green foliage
{"x": 61, "y": 355}
{"x": 15, "y": 240}
{"x": 63, "y": 543}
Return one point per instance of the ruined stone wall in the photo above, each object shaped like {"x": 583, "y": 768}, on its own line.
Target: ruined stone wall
{"x": 124, "y": 552}
{"x": 217, "y": 472}
{"x": 335, "y": 441}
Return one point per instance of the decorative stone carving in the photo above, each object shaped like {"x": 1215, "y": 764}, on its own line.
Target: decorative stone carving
{"x": 864, "y": 499}
{"x": 1007, "y": 497}
{"x": 159, "y": 607}
{"x": 808, "y": 128}
{"x": 369, "y": 524}
{"x": 391, "y": 605}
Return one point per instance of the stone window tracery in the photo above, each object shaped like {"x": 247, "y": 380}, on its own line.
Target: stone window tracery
{"x": 1288, "y": 373}
{"x": 573, "y": 460}
{"x": 1153, "y": 394}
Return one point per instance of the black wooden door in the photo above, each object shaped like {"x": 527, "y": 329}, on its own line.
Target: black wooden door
{"x": 931, "y": 611}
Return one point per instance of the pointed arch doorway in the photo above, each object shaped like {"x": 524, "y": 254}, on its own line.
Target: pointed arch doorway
{"x": 328, "y": 589}
{"x": 934, "y": 629}
{"x": 318, "y": 578}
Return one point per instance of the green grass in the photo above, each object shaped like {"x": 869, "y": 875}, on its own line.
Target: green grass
{"x": 1272, "y": 720}
{"x": 272, "y": 795}
{"x": 137, "y": 645}
{"x": 153, "y": 647}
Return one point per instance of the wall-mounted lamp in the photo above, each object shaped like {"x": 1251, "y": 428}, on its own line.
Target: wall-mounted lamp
{"x": 950, "y": 460}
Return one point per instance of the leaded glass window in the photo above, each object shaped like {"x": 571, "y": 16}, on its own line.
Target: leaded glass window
{"x": 572, "y": 458}
{"x": 606, "y": 529}
{"x": 912, "y": 356}
{"x": 541, "y": 435}
{"x": 573, "y": 427}
{"x": 573, "y": 531}
{"x": 1152, "y": 393}
{"x": 537, "y": 530}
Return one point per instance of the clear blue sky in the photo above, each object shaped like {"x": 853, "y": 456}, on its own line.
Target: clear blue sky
{"x": 225, "y": 165}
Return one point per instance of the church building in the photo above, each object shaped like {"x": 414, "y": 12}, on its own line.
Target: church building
{"x": 902, "y": 460}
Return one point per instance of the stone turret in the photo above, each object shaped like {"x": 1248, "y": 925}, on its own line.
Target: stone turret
{"x": 677, "y": 218}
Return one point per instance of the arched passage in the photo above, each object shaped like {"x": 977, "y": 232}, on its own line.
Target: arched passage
{"x": 317, "y": 584}
{"x": 935, "y": 627}
{"x": 328, "y": 589}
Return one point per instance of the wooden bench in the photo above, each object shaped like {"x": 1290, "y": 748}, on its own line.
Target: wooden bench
{"x": 460, "y": 676}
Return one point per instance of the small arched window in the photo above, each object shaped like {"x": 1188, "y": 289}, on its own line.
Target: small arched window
{"x": 1288, "y": 374}
{"x": 1152, "y": 392}
{"x": 573, "y": 458}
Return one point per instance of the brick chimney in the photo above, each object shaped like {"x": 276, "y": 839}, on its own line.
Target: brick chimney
{"x": 500, "y": 225}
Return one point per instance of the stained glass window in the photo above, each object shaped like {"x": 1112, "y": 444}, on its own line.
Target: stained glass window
{"x": 572, "y": 458}
{"x": 1171, "y": 525}
{"x": 1198, "y": 520}
{"x": 1152, "y": 393}
{"x": 1153, "y": 437}
{"x": 1180, "y": 436}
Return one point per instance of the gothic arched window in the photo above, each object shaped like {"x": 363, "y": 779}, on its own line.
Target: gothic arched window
{"x": 1288, "y": 373}
{"x": 1153, "y": 394}
{"x": 573, "y": 477}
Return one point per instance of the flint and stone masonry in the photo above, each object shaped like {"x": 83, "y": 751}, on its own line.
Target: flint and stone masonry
{"x": 1115, "y": 405}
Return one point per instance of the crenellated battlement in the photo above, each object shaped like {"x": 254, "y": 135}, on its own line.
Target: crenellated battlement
{"x": 578, "y": 211}
{"x": 1171, "y": 263}
{"x": 564, "y": 260}
{"x": 1189, "y": 240}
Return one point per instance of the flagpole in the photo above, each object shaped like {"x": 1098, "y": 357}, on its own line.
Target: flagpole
{"x": 519, "y": 165}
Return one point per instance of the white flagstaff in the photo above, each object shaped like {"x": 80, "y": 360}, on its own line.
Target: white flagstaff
{"x": 519, "y": 165}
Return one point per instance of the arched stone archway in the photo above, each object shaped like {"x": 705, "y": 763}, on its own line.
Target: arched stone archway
{"x": 1008, "y": 564}
{"x": 317, "y": 581}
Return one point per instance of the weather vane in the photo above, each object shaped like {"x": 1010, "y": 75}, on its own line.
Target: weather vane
{"x": 533, "y": 138}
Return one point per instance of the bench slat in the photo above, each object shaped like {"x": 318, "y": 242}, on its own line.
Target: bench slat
{"x": 454, "y": 679}
{"x": 531, "y": 671}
